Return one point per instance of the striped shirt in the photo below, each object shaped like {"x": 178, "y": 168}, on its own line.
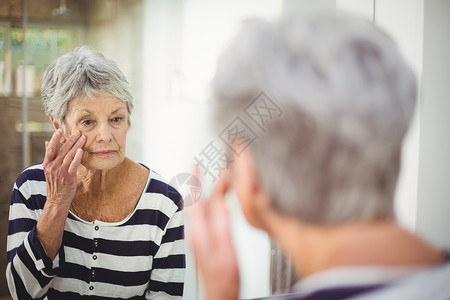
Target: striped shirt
{"x": 140, "y": 257}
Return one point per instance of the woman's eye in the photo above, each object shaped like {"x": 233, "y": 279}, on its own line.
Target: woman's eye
{"x": 87, "y": 122}
{"x": 117, "y": 119}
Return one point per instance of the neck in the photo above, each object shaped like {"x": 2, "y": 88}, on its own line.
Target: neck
{"x": 98, "y": 182}
{"x": 319, "y": 247}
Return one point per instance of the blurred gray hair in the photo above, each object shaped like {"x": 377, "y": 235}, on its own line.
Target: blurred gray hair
{"x": 347, "y": 98}
{"x": 82, "y": 73}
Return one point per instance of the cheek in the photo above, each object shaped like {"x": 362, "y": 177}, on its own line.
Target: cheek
{"x": 89, "y": 138}
{"x": 121, "y": 138}
{"x": 67, "y": 132}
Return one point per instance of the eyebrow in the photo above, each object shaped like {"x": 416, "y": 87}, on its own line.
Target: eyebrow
{"x": 120, "y": 108}
{"x": 90, "y": 112}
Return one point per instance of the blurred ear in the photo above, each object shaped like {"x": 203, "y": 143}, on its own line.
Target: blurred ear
{"x": 243, "y": 172}
{"x": 252, "y": 197}
{"x": 248, "y": 169}
{"x": 57, "y": 126}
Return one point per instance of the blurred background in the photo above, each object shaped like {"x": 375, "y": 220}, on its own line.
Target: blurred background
{"x": 167, "y": 50}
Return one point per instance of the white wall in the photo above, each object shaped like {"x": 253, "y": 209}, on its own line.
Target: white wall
{"x": 361, "y": 8}
{"x": 172, "y": 128}
{"x": 403, "y": 20}
{"x": 433, "y": 211}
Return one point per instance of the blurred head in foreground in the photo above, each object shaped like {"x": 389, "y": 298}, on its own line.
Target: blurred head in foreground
{"x": 316, "y": 110}
{"x": 347, "y": 98}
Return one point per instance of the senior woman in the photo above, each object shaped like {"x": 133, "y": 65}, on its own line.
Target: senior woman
{"x": 320, "y": 179}
{"x": 90, "y": 223}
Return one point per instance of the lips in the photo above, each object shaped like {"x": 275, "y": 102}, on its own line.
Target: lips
{"x": 104, "y": 152}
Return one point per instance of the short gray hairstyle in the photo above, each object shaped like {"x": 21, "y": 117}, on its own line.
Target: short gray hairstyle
{"x": 347, "y": 98}
{"x": 82, "y": 73}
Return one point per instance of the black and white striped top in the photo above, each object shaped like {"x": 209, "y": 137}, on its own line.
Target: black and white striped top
{"x": 140, "y": 257}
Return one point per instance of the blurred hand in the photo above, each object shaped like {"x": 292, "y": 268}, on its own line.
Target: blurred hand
{"x": 60, "y": 167}
{"x": 211, "y": 242}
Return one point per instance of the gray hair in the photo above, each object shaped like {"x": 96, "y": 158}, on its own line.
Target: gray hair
{"x": 82, "y": 73}
{"x": 347, "y": 98}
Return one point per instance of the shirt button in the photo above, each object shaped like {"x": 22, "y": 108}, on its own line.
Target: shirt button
{"x": 96, "y": 228}
{"x": 91, "y": 287}
{"x": 94, "y": 257}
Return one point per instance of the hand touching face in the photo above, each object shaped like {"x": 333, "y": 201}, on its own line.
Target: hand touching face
{"x": 103, "y": 120}
{"x": 210, "y": 237}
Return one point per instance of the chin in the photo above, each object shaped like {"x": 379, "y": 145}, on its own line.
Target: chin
{"x": 102, "y": 164}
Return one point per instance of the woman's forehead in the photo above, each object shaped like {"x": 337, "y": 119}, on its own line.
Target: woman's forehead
{"x": 96, "y": 104}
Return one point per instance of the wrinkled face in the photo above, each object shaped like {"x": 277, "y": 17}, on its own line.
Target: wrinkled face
{"x": 103, "y": 120}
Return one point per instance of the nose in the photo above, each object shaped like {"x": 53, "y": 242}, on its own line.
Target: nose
{"x": 104, "y": 133}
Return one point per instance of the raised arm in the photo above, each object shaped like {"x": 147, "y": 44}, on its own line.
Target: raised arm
{"x": 39, "y": 207}
{"x": 60, "y": 169}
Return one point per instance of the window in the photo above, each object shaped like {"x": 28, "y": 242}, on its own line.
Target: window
{"x": 43, "y": 45}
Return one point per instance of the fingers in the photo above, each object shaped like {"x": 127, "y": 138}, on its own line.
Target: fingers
{"x": 69, "y": 143}
{"x": 60, "y": 167}
{"x": 210, "y": 217}
{"x": 51, "y": 148}
{"x": 199, "y": 228}
{"x": 68, "y": 158}
{"x": 212, "y": 245}
{"x": 220, "y": 189}
{"x": 209, "y": 221}
{"x": 76, "y": 162}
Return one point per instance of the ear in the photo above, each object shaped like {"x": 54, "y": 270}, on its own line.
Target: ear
{"x": 247, "y": 167}
{"x": 252, "y": 196}
{"x": 57, "y": 126}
